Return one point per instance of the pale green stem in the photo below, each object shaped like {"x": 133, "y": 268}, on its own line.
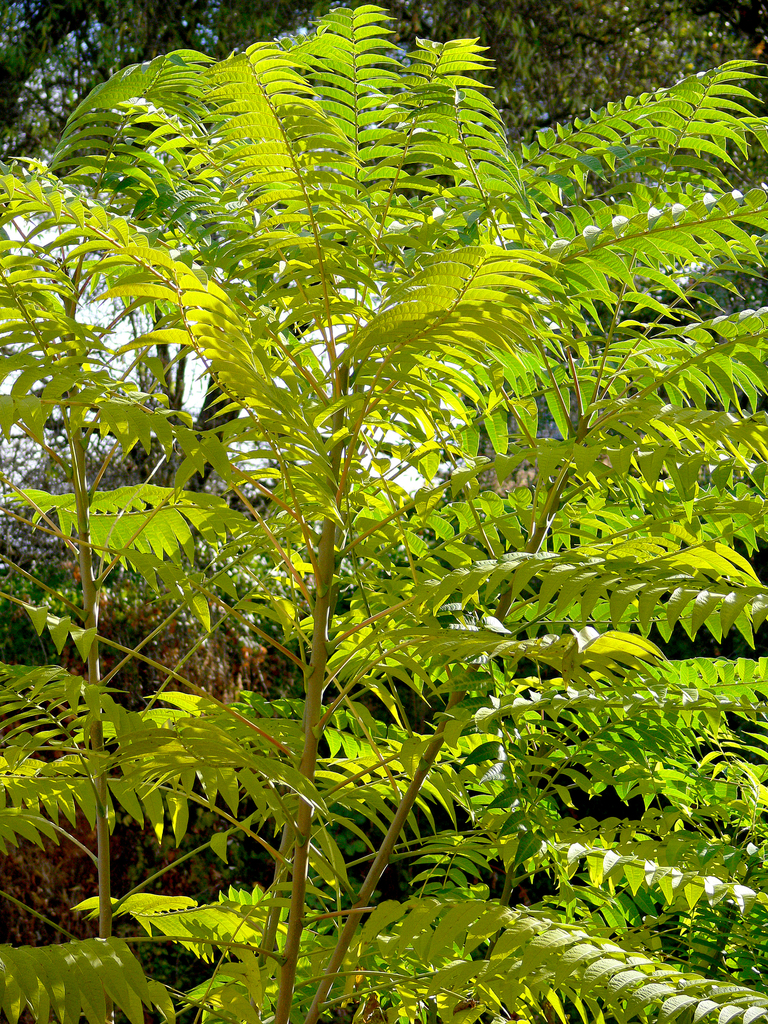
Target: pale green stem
{"x": 91, "y": 609}
{"x": 312, "y": 713}
{"x": 313, "y": 708}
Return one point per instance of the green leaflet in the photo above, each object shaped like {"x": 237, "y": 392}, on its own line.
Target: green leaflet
{"x": 223, "y": 925}
{"x": 146, "y": 517}
{"x": 15, "y": 823}
{"x": 674, "y": 884}
{"x": 140, "y": 903}
{"x": 530, "y": 954}
{"x": 75, "y": 979}
{"x": 632, "y": 573}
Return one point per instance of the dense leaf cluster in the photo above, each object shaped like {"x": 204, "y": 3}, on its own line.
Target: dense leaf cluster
{"x": 341, "y": 238}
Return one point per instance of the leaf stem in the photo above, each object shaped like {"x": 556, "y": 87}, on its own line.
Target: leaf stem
{"x": 36, "y": 913}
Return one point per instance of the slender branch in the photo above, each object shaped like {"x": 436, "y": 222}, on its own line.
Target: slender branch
{"x": 198, "y": 690}
{"x": 217, "y": 942}
{"x": 158, "y": 874}
{"x": 282, "y": 553}
{"x": 217, "y": 968}
{"x": 336, "y": 913}
{"x": 382, "y": 763}
{"x": 36, "y": 913}
{"x": 54, "y": 456}
{"x": 552, "y": 504}
{"x": 25, "y": 604}
{"x": 384, "y": 854}
{"x": 53, "y": 529}
{"x": 156, "y": 510}
{"x": 73, "y": 839}
{"x": 241, "y": 825}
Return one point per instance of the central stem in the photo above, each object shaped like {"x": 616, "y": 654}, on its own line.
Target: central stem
{"x": 312, "y": 712}
{"x": 313, "y": 706}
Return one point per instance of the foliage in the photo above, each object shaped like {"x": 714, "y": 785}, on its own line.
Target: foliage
{"x": 343, "y": 241}
{"x": 552, "y": 61}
